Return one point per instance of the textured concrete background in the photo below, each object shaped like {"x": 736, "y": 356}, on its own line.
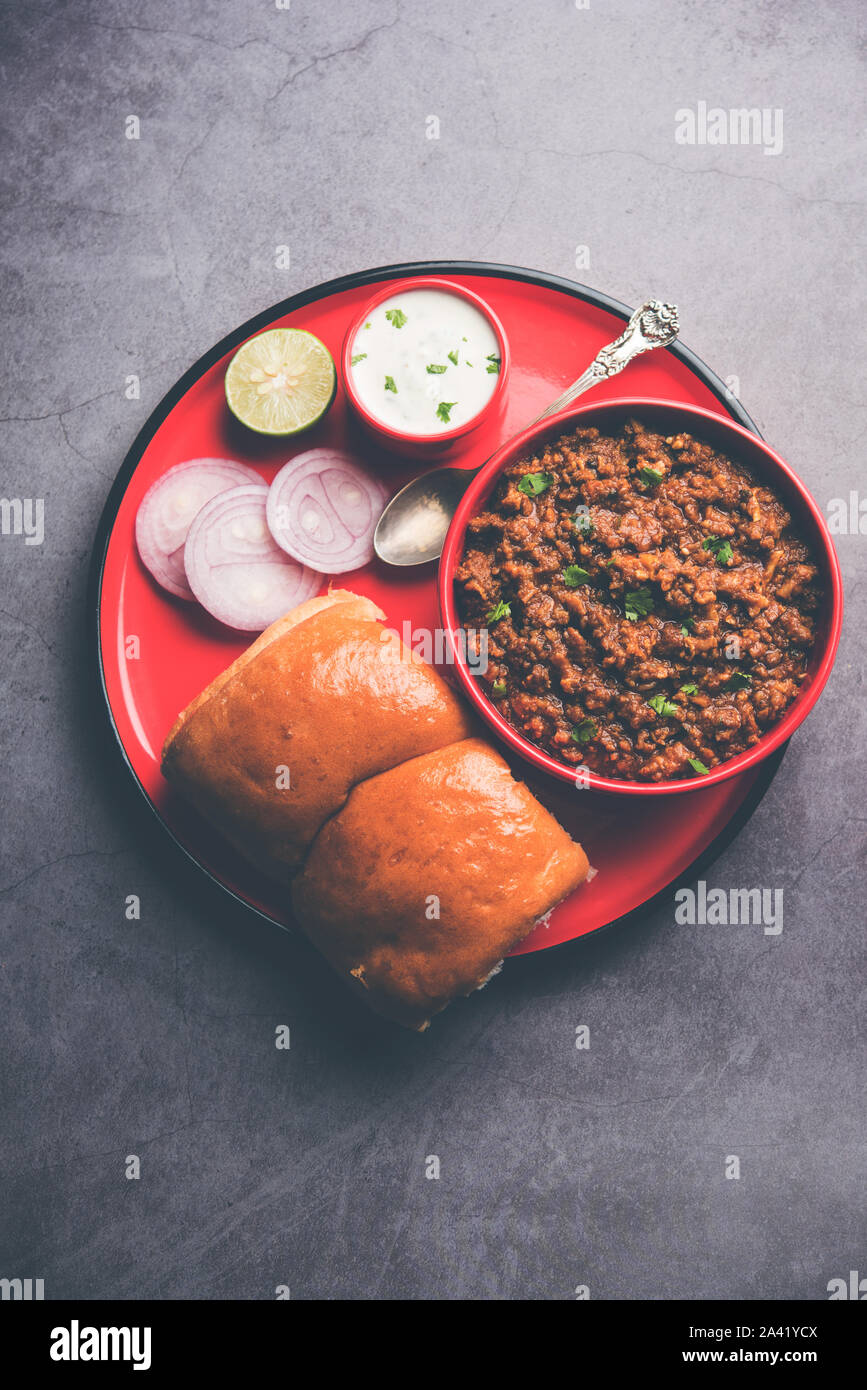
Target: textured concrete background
{"x": 306, "y": 126}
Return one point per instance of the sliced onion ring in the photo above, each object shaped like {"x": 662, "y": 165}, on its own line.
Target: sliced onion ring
{"x": 169, "y": 508}
{"x": 323, "y": 508}
{"x": 235, "y": 568}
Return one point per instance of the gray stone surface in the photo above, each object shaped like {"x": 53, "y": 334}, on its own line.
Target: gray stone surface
{"x": 306, "y": 126}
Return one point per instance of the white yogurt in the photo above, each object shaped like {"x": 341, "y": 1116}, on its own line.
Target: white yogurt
{"x": 425, "y": 361}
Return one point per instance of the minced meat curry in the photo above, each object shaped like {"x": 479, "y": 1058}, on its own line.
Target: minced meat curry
{"x": 649, "y": 606}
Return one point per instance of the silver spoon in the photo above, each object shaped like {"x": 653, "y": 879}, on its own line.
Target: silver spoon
{"x": 412, "y": 529}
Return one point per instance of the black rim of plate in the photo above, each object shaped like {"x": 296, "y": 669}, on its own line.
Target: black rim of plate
{"x": 262, "y": 320}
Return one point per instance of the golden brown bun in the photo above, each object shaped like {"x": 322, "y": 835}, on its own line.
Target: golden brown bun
{"x": 361, "y": 608}
{"x": 449, "y": 832}
{"x": 328, "y": 694}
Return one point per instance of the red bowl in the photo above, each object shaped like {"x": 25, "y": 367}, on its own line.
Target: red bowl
{"x": 740, "y": 445}
{"x": 424, "y": 446}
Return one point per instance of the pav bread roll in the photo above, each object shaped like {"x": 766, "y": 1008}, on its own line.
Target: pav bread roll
{"x": 429, "y": 875}
{"x": 324, "y": 698}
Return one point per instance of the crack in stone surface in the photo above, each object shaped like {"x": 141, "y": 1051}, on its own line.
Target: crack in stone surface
{"x": 335, "y": 53}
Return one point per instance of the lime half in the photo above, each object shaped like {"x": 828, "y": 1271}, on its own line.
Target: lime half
{"x": 281, "y": 381}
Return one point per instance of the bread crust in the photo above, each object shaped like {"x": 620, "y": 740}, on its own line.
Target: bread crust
{"x": 429, "y": 875}
{"x": 361, "y": 608}
{"x": 323, "y": 699}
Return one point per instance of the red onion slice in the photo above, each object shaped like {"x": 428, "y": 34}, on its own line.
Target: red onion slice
{"x": 323, "y": 508}
{"x": 169, "y": 508}
{"x": 235, "y": 568}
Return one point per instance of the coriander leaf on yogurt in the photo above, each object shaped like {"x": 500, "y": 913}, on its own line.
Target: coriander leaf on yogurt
{"x": 389, "y": 384}
{"x": 359, "y": 357}
{"x": 493, "y": 362}
{"x": 431, "y": 325}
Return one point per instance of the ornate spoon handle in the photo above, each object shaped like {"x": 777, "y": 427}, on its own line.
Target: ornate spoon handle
{"x": 653, "y": 325}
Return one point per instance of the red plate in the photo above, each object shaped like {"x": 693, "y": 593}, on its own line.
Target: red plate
{"x": 154, "y": 653}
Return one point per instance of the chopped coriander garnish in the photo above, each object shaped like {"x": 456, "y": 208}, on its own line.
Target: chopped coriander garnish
{"x": 662, "y": 705}
{"x": 638, "y": 603}
{"x": 739, "y": 680}
{"x": 574, "y": 575}
{"x": 689, "y": 689}
{"x": 583, "y": 732}
{"x": 533, "y": 484}
{"x": 444, "y": 409}
{"x": 651, "y": 476}
{"x": 453, "y": 356}
{"x": 687, "y": 625}
{"x": 466, "y": 363}
{"x": 720, "y": 548}
{"x": 493, "y": 362}
{"x": 389, "y": 384}
{"x": 698, "y": 766}
{"x": 396, "y": 317}
{"x": 498, "y": 688}
{"x": 463, "y": 340}
{"x": 367, "y": 325}
{"x": 499, "y": 610}
{"x": 583, "y": 522}
{"x": 436, "y": 368}
{"x": 359, "y": 357}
